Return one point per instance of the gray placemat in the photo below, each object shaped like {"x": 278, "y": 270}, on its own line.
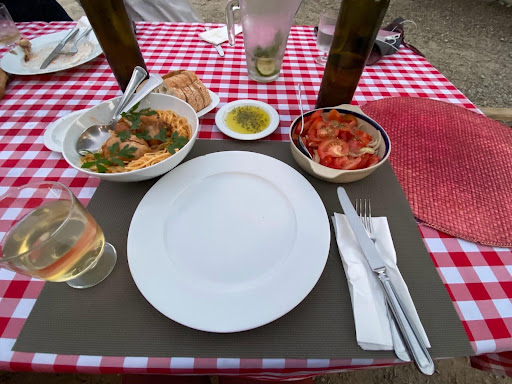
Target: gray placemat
{"x": 114, "y": 319}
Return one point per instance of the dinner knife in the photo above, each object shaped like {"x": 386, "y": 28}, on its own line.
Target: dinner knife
{"x": 58, "y": 48}
{"x": 217, "y": 46}
{"x": 409, "y": 332}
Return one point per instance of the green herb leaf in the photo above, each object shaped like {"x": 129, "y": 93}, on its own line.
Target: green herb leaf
{"x": 116, "y": 154}
{"x": 143, "y": 135}
{"x": 117, "y": 161}
{"x": 178, "y": 142}
{"x": 88, "y": 164}
{"x": 134, "y": 116}
{"x": 161, "y": 135}
{"x": 101, "y": 168}
{"x": 123, "y": 135}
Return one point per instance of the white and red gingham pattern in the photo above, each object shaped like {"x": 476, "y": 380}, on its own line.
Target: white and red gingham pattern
{"x": 478, "y": 278}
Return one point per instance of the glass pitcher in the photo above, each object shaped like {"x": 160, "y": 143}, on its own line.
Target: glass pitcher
{"x": 266, "y": 25}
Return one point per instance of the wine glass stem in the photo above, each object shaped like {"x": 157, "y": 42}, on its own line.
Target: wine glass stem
{"x": 99, "y": 272}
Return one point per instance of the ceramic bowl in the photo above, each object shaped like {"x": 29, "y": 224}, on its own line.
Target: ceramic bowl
{"x": 337, "y": 175}
{"x": 102, "y": 113}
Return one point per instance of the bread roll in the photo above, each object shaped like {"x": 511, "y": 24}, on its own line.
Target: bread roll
{"x": 186, "y": 86}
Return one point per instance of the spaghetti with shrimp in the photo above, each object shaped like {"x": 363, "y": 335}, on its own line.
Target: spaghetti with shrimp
{"x": 139, "y": 140}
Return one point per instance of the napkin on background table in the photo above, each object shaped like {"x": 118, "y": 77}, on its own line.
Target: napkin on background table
{"x": 217, "y": 36}
{"x": 373, "y": 330}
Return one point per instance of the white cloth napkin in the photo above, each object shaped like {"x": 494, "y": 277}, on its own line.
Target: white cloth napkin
{"x": 83, "y": 23}
{"x": 218, "y": 35}
{"x": 373, "y": 330}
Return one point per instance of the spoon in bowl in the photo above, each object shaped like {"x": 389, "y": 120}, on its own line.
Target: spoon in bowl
{"x": 93, "y": 137}
{"x": 301, "y": 145}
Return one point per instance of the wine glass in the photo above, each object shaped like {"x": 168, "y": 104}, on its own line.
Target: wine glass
{"x": 326, "y": 26}
{"x": 9, "y": 33}
{"x": 45, "y": 232}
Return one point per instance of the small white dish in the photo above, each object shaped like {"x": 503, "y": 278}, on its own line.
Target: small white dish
{"x": 13, "y": 62}
{"x": 55, "y": 132}
{"x": 213, "y": 104}
{"x": 220, "y": 119}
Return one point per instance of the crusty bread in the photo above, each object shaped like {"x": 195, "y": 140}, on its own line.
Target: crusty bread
{"x": 186, "y": 86}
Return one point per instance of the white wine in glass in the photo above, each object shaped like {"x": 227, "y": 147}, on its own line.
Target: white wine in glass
{"x": 325, "y": 33}
{"x": 47, "y": 233}
{"x": 9, "y": 33}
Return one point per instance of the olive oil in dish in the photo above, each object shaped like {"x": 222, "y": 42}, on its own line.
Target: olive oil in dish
{"x": 247, "y": 119}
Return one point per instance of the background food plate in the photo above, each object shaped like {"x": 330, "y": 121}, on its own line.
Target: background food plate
{"x": 13, "y": 63}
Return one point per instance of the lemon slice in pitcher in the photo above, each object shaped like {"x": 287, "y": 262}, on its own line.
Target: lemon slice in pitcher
{"x": 266, "y": 66}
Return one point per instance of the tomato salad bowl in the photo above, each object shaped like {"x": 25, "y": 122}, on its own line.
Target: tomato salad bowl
{"x": 346, "y": 145}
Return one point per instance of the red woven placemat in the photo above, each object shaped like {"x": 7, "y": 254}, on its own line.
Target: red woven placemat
{"x": 454, "y": 165}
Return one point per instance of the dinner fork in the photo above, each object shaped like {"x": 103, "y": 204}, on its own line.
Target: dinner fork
{"x": 364, "y": 210}
{"x": 74, "y": 48}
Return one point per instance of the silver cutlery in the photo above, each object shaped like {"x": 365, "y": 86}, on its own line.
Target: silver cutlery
{"x": 302, "y": 146}
{"x": 58, "y": 48}
{"x": 364, "y": 209}
{"x": 217, "y": 46}
{"x": 409, "y": 332}
{"x": 74, "y": 48}
{"x": 94, "y": 136}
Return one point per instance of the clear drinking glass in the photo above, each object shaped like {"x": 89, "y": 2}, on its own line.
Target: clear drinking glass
{"x": 326, "y": 26}
{"x": 46, "y": 233}
{"x": 9, "y": 34}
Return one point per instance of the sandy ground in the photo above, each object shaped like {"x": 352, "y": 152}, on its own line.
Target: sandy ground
{"x": 470, "y": 42}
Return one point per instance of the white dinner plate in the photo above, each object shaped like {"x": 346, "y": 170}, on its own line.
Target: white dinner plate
{"x": 220, "y": 120}
{"x": 228, "y": 241}
{"x": 213, "y": 104}
{"x": 55, "y": 132}
{"x": 41, "y": 47}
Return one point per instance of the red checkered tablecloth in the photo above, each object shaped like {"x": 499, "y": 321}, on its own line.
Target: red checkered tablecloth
{"x": 478, "y": 278}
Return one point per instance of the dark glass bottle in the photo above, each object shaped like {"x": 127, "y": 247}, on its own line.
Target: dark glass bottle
{"x": 356, "y": 28}
{"x": 116, "y": 35}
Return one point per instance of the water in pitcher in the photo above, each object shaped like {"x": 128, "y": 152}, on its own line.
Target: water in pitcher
{"x": 266, "y": 26}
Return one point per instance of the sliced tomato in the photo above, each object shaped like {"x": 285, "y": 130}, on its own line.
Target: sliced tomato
{"x": 364, "y": 161}
{"x": 363, "y": 137}
{"x": 327, "y": 161}
{"x": 339, "y": 162}
{"x": 332, "y": 147}
{"x": 349, "y": 120}
{"x": 334, "y": 115}
{"x": 374, "y": 159}
{"x": 315, "y": 115}
{"x": 327, "y": 132}
{"x": 305, "y": 130}
{"x": 352, "y": 163}
{"x": 317, "y": 124}
{"x": 354, "y": 146}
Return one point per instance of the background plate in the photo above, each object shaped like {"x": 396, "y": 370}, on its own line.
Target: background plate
{"x": 13, "y": 63}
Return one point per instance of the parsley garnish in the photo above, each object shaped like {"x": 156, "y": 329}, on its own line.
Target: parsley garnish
{"x": 161, "y": 135}
{"x": 178, "y": 142}
{"x": 116, "y": 154}
{"x": 134, "y": 117}
{"x": 123, "y": 135}
{"x": 143, "y": 135}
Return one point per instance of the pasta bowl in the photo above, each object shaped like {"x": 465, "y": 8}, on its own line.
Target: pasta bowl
{"x": 103, "y": 112}
{"x": 380, "y": 145}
